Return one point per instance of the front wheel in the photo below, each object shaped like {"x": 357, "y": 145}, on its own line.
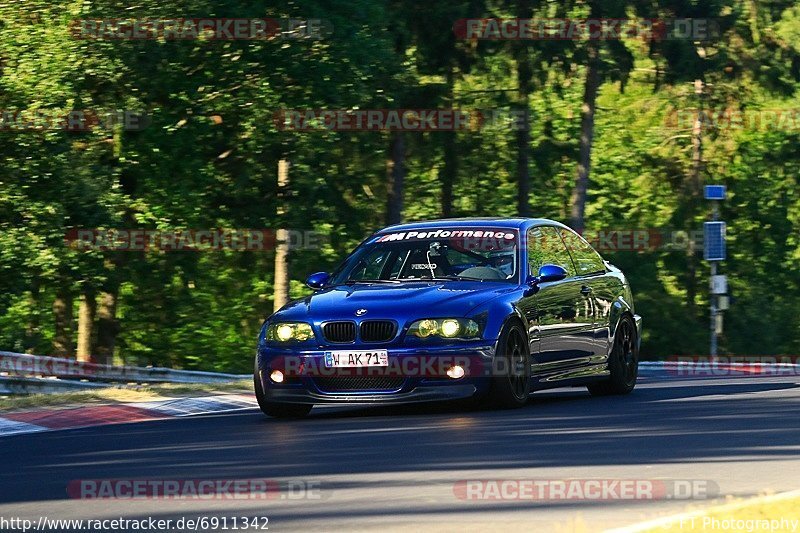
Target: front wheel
{"x": 278, "y": 410}
{"x": 511, "y": 387}
{"x": 623, "y": 362}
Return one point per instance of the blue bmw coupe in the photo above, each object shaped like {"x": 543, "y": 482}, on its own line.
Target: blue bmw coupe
{"x": 485, "y": 308}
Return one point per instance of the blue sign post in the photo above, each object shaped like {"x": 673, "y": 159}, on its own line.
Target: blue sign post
{"x": 715, "y": 250}
{"x": 714, "y": 241}
{"x": 714, "y": 192}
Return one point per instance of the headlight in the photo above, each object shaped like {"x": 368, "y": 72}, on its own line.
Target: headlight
{"x": 289, "y": 331}
{"x": 449, "y": 328}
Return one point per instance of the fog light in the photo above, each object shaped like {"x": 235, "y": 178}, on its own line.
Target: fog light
{"x": 276, "y": 376}
{"x": 455, "y": 372}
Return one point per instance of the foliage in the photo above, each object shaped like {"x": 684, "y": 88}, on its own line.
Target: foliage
{"x": 208, "y": 159}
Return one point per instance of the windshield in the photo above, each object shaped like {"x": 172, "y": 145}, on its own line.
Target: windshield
{"x": 436, "y": 253}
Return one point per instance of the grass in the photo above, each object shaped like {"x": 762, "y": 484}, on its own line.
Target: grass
{"x": 773, "y": 514}
{"x": 122, "y": 394}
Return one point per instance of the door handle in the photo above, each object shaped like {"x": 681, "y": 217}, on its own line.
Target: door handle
{"x": 586, "y": 290}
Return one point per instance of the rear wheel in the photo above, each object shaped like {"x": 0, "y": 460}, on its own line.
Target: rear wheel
{"x": 510, "y": 389}
{"x": 278, "y": 410}
{"x": 623, "y": 362}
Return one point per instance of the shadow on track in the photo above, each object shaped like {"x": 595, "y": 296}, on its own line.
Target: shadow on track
{"x": 667, "y": 421}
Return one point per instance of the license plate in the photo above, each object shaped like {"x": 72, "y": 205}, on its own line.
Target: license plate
{"x": 356, "y": 358}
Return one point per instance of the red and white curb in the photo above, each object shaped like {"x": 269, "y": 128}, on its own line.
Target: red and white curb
{"x": 100, "y": 415}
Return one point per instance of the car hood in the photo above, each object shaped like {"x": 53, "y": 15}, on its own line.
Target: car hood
{"x": 401, "y": 301}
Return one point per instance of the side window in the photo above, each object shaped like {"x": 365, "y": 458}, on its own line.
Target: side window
{"x": 397, "y": 263}
{"x": 586, "y": 260}
{"x": 370, "y": 266}
{"x": 546, "y": 247}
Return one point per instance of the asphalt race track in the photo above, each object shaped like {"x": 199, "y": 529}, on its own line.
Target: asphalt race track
{"x": 380, "y": 468}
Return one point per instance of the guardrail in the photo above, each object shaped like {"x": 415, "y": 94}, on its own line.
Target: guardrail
{"x": 20, "y": 385}
{"x": 24, "y": 373}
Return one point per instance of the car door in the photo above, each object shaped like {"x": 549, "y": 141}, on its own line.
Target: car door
{"x": 560, "y": 312}
{"x": 592, "y": 273}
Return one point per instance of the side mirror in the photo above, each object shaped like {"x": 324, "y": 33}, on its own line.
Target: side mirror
{"x": 551, "y": 273}
{"x": 547, "y": 273}
{"x": 318, "y": 280}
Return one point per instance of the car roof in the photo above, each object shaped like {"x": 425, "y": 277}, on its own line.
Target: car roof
{"x": 472, "y": 222}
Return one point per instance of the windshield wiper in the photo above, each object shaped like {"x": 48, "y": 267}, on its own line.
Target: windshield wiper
{"x": 354, "y": 281}
{"x": 459, "y": 278}
{"x": 444, "y": 278}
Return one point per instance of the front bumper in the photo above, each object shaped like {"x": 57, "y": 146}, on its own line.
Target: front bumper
{"x": 411, "y": 388}
{"x": 420, "y": 393}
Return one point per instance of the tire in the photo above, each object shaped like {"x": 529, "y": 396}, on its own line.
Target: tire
{"x": 278, "y": 410}
{"x": 511, "y": 388}
{"x": 623, "y": 362}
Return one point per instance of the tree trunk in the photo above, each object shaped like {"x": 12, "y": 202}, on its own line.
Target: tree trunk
{"x": 33, "y": 328}
{"x": 695, "y": 183}
{"x": 62, "y": 315}
{"x": 107, "y": 326}
{"x": 523, "y": 174}
{"x": 86, "y": 314}
{"x": 523, "y": 133}
{"x": 591, "y": 87}
{"x": 281, "y": 289}
{"x": 395, "y": 178}
{"x": 692, "y": 191}
{"x": 450, "y": 166}
{"x": 449, "y": 172}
